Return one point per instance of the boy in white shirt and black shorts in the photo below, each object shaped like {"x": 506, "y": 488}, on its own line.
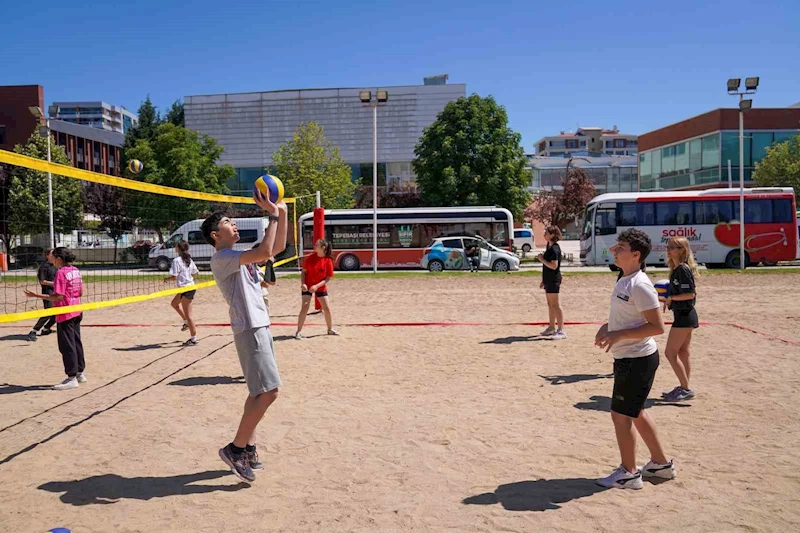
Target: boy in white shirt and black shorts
{"x": 634, "y": 317}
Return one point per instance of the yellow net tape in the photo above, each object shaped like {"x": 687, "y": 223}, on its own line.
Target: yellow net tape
{"x": 13, "y": 158}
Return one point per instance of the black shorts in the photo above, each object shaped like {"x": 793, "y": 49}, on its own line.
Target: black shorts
{"x": 189, "y": 295}
{"x": 633, "y": 379}
{"x": 269, "y": 276}
{"x": 685, "y": 318}
{"x": 552, "y": 288}
{"x": 320, "y": 294}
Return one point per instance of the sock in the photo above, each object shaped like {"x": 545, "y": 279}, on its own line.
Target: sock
{"x": 250, "y": 449}
{"x": 186, "y": 322}
{"x": 236, "y": 450}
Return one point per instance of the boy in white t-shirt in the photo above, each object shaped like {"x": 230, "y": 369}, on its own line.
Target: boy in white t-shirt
{"x": 634, "y": 317}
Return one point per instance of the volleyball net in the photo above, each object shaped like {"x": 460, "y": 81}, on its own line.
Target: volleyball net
{"x": 123, "y": 233}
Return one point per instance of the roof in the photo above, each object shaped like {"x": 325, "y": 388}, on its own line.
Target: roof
{"x": 613, "y": 197}
{"x": 87, "y": 132}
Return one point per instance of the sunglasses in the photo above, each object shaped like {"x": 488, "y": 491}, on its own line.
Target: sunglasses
{"x": 673, "y": 247}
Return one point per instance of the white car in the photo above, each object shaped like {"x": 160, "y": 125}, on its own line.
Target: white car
{"x": 448, "y": 253}
{"x": 523, "y": 239}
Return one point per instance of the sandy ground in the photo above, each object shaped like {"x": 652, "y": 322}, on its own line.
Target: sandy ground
{"x": 463, "y": 428}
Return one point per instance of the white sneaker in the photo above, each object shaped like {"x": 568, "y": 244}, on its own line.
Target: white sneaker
{"x": 653, "y": 469}
{"x": 82, "y": 377}
{"x": 622, "y": 479}
{"x": 69, "y": 383}
{"x": 297, "y": 336}
{"x": 549, "y": 332}
{"x": 559, "y": 335}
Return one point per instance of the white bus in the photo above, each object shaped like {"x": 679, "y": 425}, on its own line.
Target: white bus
{"x": 708, "y": 218}
{"x": 403, "y": 233}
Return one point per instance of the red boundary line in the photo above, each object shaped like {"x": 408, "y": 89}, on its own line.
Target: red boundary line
{"x": 435, "y": 324}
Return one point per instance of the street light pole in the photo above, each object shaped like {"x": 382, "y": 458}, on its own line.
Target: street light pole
{"x": 50, "y": 189}
{"x": 366, "y": 99}
{"x": 750, "y": 86}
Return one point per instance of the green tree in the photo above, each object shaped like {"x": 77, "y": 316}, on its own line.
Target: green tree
{"x": 469, "y": 156}
{"x": 27, "y": 194}
{"x": 781, "y": 166}
{"x": 182, "y": 158}
{"x": 308, "y": 163}
{"x": 175, "y": 114}
{"x": 149, "y": 120}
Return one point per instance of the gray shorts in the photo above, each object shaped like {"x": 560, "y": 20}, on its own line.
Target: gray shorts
{"x": 257, "y": 357}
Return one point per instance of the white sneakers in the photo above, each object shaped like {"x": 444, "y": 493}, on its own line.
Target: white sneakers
{"x": 621, "y": 478}
{"x": 71, "y": 382}
{"x": 557, "y": 334}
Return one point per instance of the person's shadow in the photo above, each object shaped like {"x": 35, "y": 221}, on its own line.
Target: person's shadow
{"x": 538, "y": 495}
{"x": 8, "y": 388}
{"x": 603, "y": 403}
{"x": 109, "y": 488}
{"x": 574, "y": 378}
{"x": 212, "y": 380}
{"x": 14, "y": 337}
{"x": 146, "y": 347}
{"x": 512, "y": 340}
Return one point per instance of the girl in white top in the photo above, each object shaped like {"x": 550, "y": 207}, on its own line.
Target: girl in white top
{"x": 182, "y": 271}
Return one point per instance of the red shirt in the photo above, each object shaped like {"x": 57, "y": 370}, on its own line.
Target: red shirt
{"x": 317, "y": 269}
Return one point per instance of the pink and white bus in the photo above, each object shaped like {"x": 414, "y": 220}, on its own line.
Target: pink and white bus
{"x": 403, "y": 233}
{"x": 708, "y": 218}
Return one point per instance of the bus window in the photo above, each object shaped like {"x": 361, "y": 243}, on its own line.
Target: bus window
{"x": 626, "y": 214}
{"x": 782, "y": 211}
{"x": 588, "y": 214}
{"x": 646, "y": 213}
{"x": 606, "y": 221}
{"x": 755, "y": 211}
{"x": 714, "y": 212}
{"x": 673, "y": 213}
{"x": 636, "y": 214}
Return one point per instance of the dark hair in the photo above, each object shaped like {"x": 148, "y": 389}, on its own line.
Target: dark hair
{"x": 639, "y": 242}
{"x": 327, "y": 245}
{"x": 47, "y": 251}
{"x": 555, "y": 231}
{"x": 211, "y": 224}
{"x": 183, "y": 251}
{"x": 63, "y": 253}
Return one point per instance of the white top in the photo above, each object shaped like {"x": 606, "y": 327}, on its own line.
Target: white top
{"x": 182, "y": 272}
{"x": 239, "y": 285}
{"x": 632, "y": 295}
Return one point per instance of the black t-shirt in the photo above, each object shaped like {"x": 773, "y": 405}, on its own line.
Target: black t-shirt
{"x": 681, "y": 281}
{"x": 553, "y": 253}
{"x": 46, "y": 272}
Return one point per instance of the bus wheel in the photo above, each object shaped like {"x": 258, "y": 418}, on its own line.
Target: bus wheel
{"x": 733, "y": 260}
{"x": 435, "y": 266}
{"x": 349, "y": 262}
{"x": 501, "y": 265}
{"x": 162, "y": 263}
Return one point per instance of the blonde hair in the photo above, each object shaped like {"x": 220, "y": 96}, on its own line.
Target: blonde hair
{"x": 686, "y": 255}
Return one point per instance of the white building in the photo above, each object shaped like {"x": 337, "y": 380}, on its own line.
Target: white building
{"x": 595, "y": 141}
{"x": 99, "y": 115}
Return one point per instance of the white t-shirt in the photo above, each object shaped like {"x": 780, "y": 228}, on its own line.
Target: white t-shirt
{"x": 240, "y": 287}
{"x": 182, "y": 272}
{"x": 632, "y": 295}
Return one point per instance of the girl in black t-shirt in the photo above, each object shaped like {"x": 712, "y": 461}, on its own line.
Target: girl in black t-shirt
{"x": 680, "y": 299}
{"x": 46, "y": 275}
{"x": 551, "y": 282}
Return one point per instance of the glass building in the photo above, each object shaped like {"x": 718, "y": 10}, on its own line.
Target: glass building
{"x": 694, "y": 154}
{"x": 252, "y": 126}
{"x": 609, "y": 173}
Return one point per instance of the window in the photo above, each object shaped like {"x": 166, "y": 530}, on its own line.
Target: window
{"x": 173, "y": 241}
{"x": 782, "y": 211}
{"x": 761, "y": 141}
{"x": 668, "y": 160}
{"x": 656, "y": 155}
{"x": 196, "y": 237}
{"x": 711, "y": 151}
{"x": 608, "y": 144}
{"x": 619, "y": 143}
{"x": 605, "y": 221}
{"x": 730, "y": 149}
{"x": 695, "y": 154}
{"x": 681, "y": 158}
{"x": 248, "y": 235}
{"x": 522, "y": 234}
{"x": 645, "y": 165}
{"x": 714, "y": 212}
{"x": 452, "y": 243}
{"x": 572, "y": 144}
{"x": 583, "y": 144}
{"x": 674, "y": 213}
{"x": 635, "y": 214}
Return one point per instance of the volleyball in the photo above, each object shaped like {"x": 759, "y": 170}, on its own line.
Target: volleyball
{"x": 270, "y": 186}
{"x": 662, "y": 286}
{"x": 135, "y": 166}
{"x": 59, "y": 530}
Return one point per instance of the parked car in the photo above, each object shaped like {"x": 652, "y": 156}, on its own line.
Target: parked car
{"x": 448, "y": 253}
{"x": 27, "y": 255}
{"x": 523, "y": 239}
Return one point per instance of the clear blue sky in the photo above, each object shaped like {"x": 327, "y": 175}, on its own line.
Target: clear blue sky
{"x": 553, "y": 65}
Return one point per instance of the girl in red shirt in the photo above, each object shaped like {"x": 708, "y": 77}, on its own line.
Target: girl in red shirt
{"x": 317, "y": 272}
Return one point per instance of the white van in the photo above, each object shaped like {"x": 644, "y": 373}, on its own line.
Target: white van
{"x": 251, "y": 231}
{"x": 523, "y": 239}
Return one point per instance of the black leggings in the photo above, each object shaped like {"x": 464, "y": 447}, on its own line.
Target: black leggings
{"x": 45, "y": 322}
